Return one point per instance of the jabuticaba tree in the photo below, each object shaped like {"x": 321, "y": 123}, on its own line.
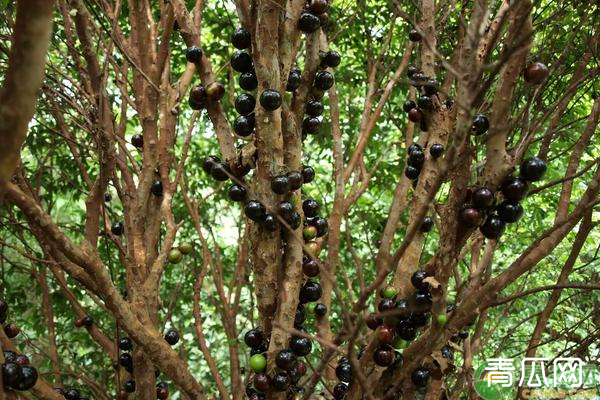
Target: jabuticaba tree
{"x": 291, "y": 199}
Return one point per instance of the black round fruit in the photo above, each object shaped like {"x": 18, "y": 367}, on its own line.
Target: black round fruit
{"x": 245, "y": 103}
{"x": 480, "y": 124}
{"x": 209, "y": 162}
{"x": 417, "y": 279}
{"x": 321, "y": 225}
{"x": 296, "y": 180}
{"x": 533, "y": 169}
{"x": 427, "y": 224}
{"x": 416, "y": 159}
{"x": 241, "y": 61}
{"x": 431, "y": 87}
{"x": 483, "y": 198}
{"x": 493, "y": 227}
{"x": 308, "y": 174}
{"x": 314, "y": 108}
{"x": 255, "y": 210}
{"x": 72, "y": 394}
{"x": 411, "y": 70}
{"x": 193, "y": 54}
{"x": 220, "y": 172}
{"x": 414, "y": 35}
{"x": 514, "y": 189}
{"x": 172, "y": 337}
{"x": 11, "y": 374}
{"x": 269, "y": 223}
{"x": 87, "y": 321}
{"x": 386, "y": 305}
{"x": 137, "y": 141}
{"x": 280, "y": 382}
{"x": 343, "y": 372}
{"x": 125, "y": 360}
{"x": 308, "y": 23}
{"x": 157, "y": 188}
{"x": 408, "y": 105}
{"x": 125, "y": 343}
{"x": 425, "y": 102}
{"x": 280, "y": 184}
{"x": 310, "y": 291}
{"x": 339, "y": 391}
{"x": 129, "y": 386}
{"x": 270, "y": 99}
{"x": 117, "y": 228}
{"x": 406, "y": 331}
{"x": 419, "y": 320}
{"x": 9, "y": 356}
{"x": 243, "y": 125}
{"x": 332, "y": 59}
{"x": 300, "y": 316}
{"x": 241, "y": 39}
{"x": 294, "y": 80}
{"x": 383, "y": 356}
{"x": 422, "y": 299}
{"x": 320, "y": 309}
{"x": 301, "y": 346}
{"x": 254, "y": 338}
{"x": 248, "y": 81}
{"x": 29, "y": 376}
{"x": 509, "y": 212}
{"x": 310, "y": 208}
{"x": 311, "y": 125}
{"x": 436, "y": 150}
{"x": 197, "y": 98}
{"x": 286, "y": 359}
{"x": 420, "y": 377}
{"x": 323, "y": 80}
{"x": 285, "y": 210}
{"x": 237, "y": 192}
{"x": 470, "y": 216}
{"x": 411, "y": 172}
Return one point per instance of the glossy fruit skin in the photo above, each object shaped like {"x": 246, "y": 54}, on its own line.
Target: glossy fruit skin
{"x": 294, "y": 80}
{"x": 280, "y": 382}
{"x": 480, "y": 124}
{"x": 321, "y": 225}
{"x": 470, "y": 217}
{"x": 253, "y": 338}
{"x": 383, "y": 356}
{"x": 157, "y": 188}
{"x": 137, "y": 141}
{"x": 411, "y": 70}
{"x": 310, "y": 268}
{"x": 125, "y": 360}
{"x": 296, "y": 180}
{"x": 308, "y": 23}
{"x": 332, "y": 59}
{"x": 311, "y": 125}
{"x": 254, "y": 210}
{"x": 72, "y": 394}
{"x": 536, "y": 73}
{"x": 193, "y": 54}
{"x": 285, "y": 359}
{"x": 244, "y": 125}
{"x": 425, "y": 102}
{"x": 339, "y": 391}
{"x": 241, "y": 61}
{"x": 172, "y": 337}
{"x": 129, "y": 386}
{"x": 427, "y": 224}
{"x": 209, "y": 162}
{"x": 117, "y": 228}
{"x": 509, "y": 212}
{"x": 220, "y": 172}
{"x": 406, "y": 331}
{"x": 11, "y": 330}
{"x": 29, "y": 376}
{"x": 215, "y": 91}
{"x": 237, "y": 192}
{"x": 493, "y": 227}
{"x": 385, "y": 334}
{"x": 417, "y": 280}
{"x": 197, "y": 98}
{"x": 431, "y": 87}
{"x": 280, "y": 184}
{"x": 310, "y": 291}
{"x": 436, "y": 150}
{"x": 323, "y": 80}
{"x": 411, "y": 172}
{"x": 447, "y": 353}
{"x": 408, "y": 105}
{"x": 533, "y": 169}
{"x": 87, "y": 321}
{"x": 301, "y": 346}
{"x": 310, "y": 208}
{"x": 125, "y": 343}
{"x": 420, "y": 377}
{"x": 248, "y": 81}
{"x": 416, "y": 158}
{"x": 245, "y": 103}
{"x": 483, "y": 198}
{"x": 269, "y": 223}
{"x": 285, "y": 210}
{"x": 241, "y": 39}
{"x": 308, "y": 174}
{"x": 11, "y": 374}
{"x": 343, "y": 372}
{"x": 415, "y": 115}
{"x": 258, "y": 363}
{"x": 314, "y": 108}
{"x": 414, "y": 36}
{"x": 515, "y": 189}
{"x": 318, "y": 6}
{"x": 320, "y": 310}
{"x": 270, "y": 99}
{"x": 386, "y": 305}
{"x": 261, "y": 382}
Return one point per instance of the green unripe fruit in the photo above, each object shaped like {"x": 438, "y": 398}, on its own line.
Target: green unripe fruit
{"x": 441, "y": 319}
{"x": 185, "y": 248}
{"x": 399, "y": 343}
{"x": 310, "y": 308}
{"x": 309, "y": 233}
{"x": 390, "y": 292}
{"x": 258, "y": 363}
{"x": 175, "y": 256}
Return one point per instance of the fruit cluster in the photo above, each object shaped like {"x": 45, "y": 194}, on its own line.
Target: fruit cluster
{"x": 427, "y": 91}
{"x": 17, "y": 373}
{"x": 480, "y": 209}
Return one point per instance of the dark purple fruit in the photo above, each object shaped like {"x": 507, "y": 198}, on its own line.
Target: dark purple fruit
{"x": 493, "y": 227}
{"x": 72, "y": 394}
{"x": 310, "y": 208}
{"x": 415, "y": 115}
{"x": 416, "y": 159}
{"x": 323, "y": 80}
{"x": 332, "y": 59}
{"x": 431, "y": 87}
{"x": 536, "y": 73}
{"x": 285, "y": 210}
{"x": 373, "y": 322}
{"x": 125, "y": 360}
{"x": 129, "y": 386}
{"x": 294, "y": 80}
{"x": 471, "y": 217}
{"x": 125, "y": 343}
{"x": 417, "y": 279}
{"x": 301, "y": 346}
{"x": 270, "y": 99}
{"x": 480, "y": 124}
{"x": 386, "y": 334}
{"x": 509, "y": 212}
{"x": 420, "y": 377}
{"x": 172, "y": 337}
{"x": 311, "y": 125}
{"x": 294, "y": 221}
{"x": 409, "y": 105}
{"x": 241, "y": 39}
{"x": 248, "y": 81}
{"x": 262, "y": 382}
{"x": 117, "y": 228}
{"x": 29, "y": 376}
{"x": 436, "y": 150}
{"x": 425, "y": 102}
{"x": 12, "y": 374}
{"x": 237, "y": 192}
{"x": 308, "y": 23}
{"x": 533, "y": 169}
{"x": 220, "y": 172}
{"x": 318, "y": 6}
{"x": 22, "y": 359}
{"x": 414, "y": 35}
{"x": 411, "y": 173}
{"x": 253, "y": 338}
{"x": 314, "y": 108}
{"x": 137, "y": 141}
{"x": 447, "y": 353}
{"x": 295, "y": 178}
{"x": 9, "y": 356}
{"x": 241, "y": 61}
{"x": 411, "y": 70}
{"x": 343, "y": 371}
{"x": 157, "y": 188}
{"x": 383, "y": 356}
{"x": 320, "y": 310}
{"x": 209, "y": 162}
{"x": 308, "y": 174}
{"x": 427, "y": 224}
{"x": 215, "y": 91}
{"x": 419, "y": 320}
{"x": 386, "y": 305}
{"x": 285, "y": 359}
{"x": 280, "y": 184}
{"x": 310, "y": 291}
{"x": 87, "y": 321}
{"x": 321, "y": 225}
{"x": 339, "y": 391}
{"x": 514, "y": 189}
{"x": 269, "y": 223}
{"x": 300, "y": 316}
{"x": 310, "y": 268}
{"x": 483, "y": 198}
{"x": 245, "y": 103}
{"x": 254, "y": 210}
{"x": 244, "y": 125}
{"x": 193, "y": 54}
{"x": 406, "y": 331}
{"x": 280, "y": 382}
